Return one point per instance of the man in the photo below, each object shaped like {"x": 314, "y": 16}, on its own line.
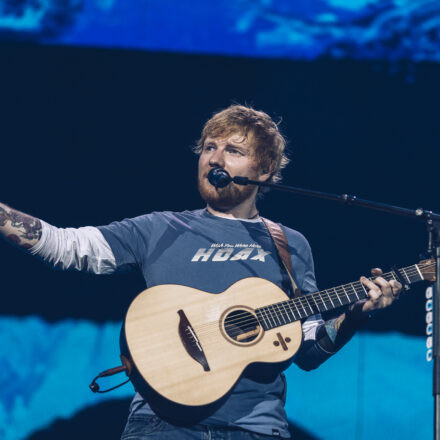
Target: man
{"x": 210, "y": 249}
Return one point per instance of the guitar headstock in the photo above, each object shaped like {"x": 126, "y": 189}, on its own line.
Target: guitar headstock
{"x": 427, "y": 269}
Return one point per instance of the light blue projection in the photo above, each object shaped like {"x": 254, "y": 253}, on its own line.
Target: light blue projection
{"x": 378, "y": 386}
{"x": 303, "y": 29}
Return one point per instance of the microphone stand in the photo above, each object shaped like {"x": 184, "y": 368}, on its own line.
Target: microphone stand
{"x": 432, "y": 221}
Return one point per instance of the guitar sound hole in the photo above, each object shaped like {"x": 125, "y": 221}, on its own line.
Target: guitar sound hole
{"x": 242, "y": 326}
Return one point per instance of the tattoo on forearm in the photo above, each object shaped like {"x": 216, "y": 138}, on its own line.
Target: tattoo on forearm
{"x": 3, "y": 216}
{"x": 31, "y": 226}
{"x": 336, "y": 332}
{"x": 23, "y": 229}
{"x": 332, "y": 327}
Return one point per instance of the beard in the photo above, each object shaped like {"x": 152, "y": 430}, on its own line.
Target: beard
{"x": 223, "y": 199}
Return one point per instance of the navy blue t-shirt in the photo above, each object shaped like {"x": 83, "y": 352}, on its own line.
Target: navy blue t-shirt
{"x": 210, "y": 253}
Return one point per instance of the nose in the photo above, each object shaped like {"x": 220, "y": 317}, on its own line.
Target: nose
{"x": 217, "y": 159}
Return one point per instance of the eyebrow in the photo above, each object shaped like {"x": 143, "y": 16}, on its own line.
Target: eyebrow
{"x": 227, "y": 145}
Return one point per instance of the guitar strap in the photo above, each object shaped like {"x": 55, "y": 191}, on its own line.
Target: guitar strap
{"x": 279, "y": 238}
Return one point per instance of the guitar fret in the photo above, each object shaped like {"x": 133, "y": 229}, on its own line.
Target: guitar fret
{"x": 359, "y": 289}
{"x": 306, "y": 300}
{"x": 273, "y": 312}
{"x": 418, "y": 270}
{"x": 297, "y": 311}
{"x": 364, "y": 289}
{"x": 413, "y": 274}
{"x": 263, "y": 318}
{"x": 295, "y": 302}
{"x": 293, "y": 316}
{"x": 274, "y": 315}
{"x": 270, "y": 308}
{"x": 355, "y": 291}
{"x": 411, "y": 278}
{"x": 289, "y": 311}
{"x": 260, "y": 312}
{"x": 389, "y": 276}
{"x": 346, "y": 294}
{"x": 321, "y": 297}
{"x": 289, "y": 315}
{"x": 330, "y": 298}
{"x": 338, "y": 295}
{"x": 407, "y": 277}
{"x": 277, "y": 315}
{"x": 316, "y": 304}
{"x": 305, "y": 313}
{"x": 281, "y": 313}
{"x": 274, "y": 308}
{"x": 266, "y": 310}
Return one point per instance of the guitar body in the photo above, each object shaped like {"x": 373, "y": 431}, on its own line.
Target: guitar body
{"x": 191, "y": 346}
{"x": 187, "y": 348}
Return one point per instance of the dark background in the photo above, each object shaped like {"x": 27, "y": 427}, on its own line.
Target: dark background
{"x": 89, "y": 136}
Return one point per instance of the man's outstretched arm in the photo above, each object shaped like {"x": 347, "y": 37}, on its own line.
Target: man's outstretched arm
{"x": 19, "y": 228}
{"x": 83, "y": 249}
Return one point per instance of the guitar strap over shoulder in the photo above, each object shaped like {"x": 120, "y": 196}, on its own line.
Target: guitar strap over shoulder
{"x": 279, "y": 238}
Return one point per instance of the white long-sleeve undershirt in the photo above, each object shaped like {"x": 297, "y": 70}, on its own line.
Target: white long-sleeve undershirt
{"x": 82, "y": 249}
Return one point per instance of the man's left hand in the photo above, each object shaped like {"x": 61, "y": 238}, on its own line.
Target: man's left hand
{"x": 382, "y": 293}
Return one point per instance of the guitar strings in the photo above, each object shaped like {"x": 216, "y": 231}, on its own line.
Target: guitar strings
{"x": 317, "y": 297}
{"x": 234, "y": 330}
{"x": 303, "y": 301}
{"x": 282, "y": 313}
{"x": 272, "y": 316}
{"x": 306, "y": 301}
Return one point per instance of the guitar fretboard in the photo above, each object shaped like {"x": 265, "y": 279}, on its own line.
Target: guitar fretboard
{"x": 285, "y": 312}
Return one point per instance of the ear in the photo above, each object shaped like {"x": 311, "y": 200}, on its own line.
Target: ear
{"x": 265, "y": 174}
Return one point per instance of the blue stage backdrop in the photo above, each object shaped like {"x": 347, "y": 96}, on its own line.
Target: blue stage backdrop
{"x": 89, "y": 133}
{"x": 375, "y": 376}
{"x": 357, "y": 29}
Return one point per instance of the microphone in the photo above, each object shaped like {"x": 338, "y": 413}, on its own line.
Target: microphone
{"x": 219, "y": 177}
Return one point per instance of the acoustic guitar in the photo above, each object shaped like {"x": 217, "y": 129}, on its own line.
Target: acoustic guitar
{"x": 191, "y": 346}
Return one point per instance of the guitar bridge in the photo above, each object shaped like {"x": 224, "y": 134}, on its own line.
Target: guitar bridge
{"x": 191, "y": 342}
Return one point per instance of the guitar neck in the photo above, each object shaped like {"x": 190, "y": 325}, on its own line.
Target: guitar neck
{"x": 278, "y": 314}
